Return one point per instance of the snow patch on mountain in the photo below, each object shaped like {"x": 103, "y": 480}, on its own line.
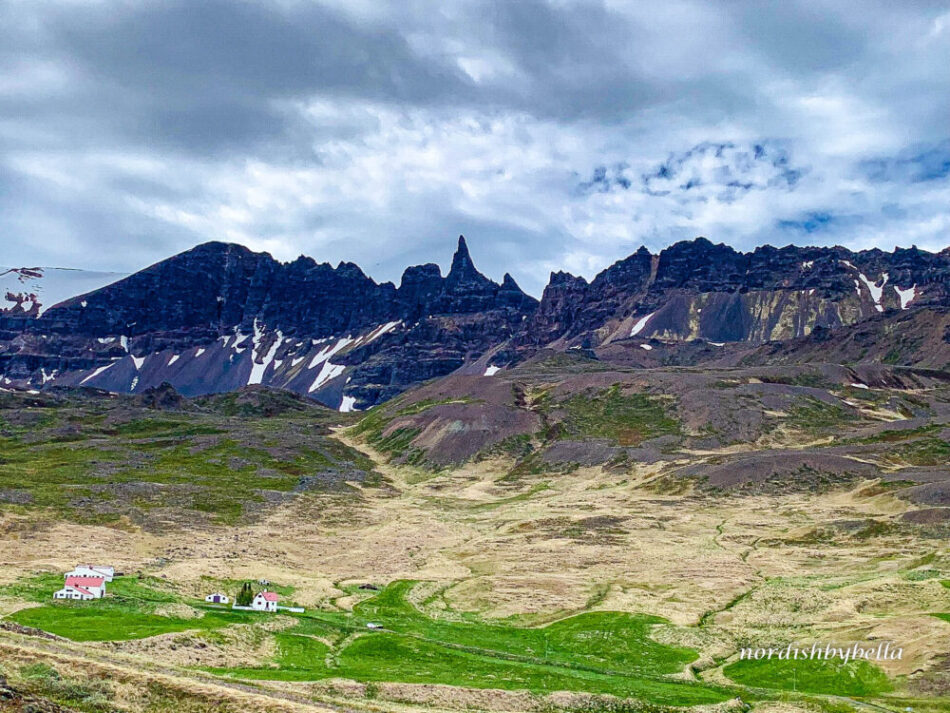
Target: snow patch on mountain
{"x": 95, "y": 373}
{"x": 327, "y": 352}
{"x": 641, "y": 323}
{"x": 877, "y": 291}
{"x": 259, "y": 362}
{"x": 906, "y": 296}
{"x": 239, "y": 339}
{"x": 380, "y": 331}
{"x": 328, "y": 372}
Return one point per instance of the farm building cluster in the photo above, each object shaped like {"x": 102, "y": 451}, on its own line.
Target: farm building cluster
{"x": 85, "y": 582}
{"x": 264, "y": 600}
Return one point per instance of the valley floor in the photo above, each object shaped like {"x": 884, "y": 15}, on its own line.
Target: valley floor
{"x": 480, "y": 557}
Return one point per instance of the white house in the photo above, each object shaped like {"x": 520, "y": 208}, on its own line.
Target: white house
{"x": 218, "y": 598}
{"x": 82, "y": 588}
{"x": 265, "y": 601}
{"x": 93, "y": 570}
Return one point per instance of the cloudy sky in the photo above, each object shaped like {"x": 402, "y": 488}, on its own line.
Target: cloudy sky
{"x": 554, "y": 135}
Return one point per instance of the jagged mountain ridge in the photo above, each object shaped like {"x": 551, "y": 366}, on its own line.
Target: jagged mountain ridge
{"x": 697, "y": 290}
{"x": 225, "y": 285}
{"x": 219, "y": 317}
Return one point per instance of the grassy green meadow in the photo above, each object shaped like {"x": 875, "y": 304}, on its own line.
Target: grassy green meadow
{"x": 598, "y": 652}
{"x": 93, "y": 460}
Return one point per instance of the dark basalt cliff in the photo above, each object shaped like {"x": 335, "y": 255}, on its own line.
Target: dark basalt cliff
{"x": 220, "y": 285}
{"x": 220, "y": 317}
{"x": 697, "y": 290}
{"x": 234, "y": 309}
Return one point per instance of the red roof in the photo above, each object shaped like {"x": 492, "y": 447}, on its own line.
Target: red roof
{"x": 84, "y": 591}
{"x": 78, "y": 582}
{"x": 269, "y": 596}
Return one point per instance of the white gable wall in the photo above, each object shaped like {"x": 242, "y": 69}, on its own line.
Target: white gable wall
{"x": 261, "y": 604}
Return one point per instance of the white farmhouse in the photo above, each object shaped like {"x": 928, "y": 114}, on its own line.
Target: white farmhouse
{"x": 82, "y": 588}
{"x": 93, "y": 570}
{"x": 265, "y": 601}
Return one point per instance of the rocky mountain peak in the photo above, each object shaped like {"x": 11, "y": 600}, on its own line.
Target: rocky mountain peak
{"x": 508, "y": 283}
{"x": 350, "y": 269}
{"x": 700, "y": 290}
{"x": 220, "y": 317}
{"x": 561, "y": 278}
{"x": 463, "y": 269}
{"x": 420, "y": 274}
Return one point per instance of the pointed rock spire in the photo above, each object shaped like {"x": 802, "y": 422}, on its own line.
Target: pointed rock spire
{"x": 463, "y": 269}
{"x": 508, "y": 283}
{"x": 510, "y": 294}
{"x": 462, "y": 261}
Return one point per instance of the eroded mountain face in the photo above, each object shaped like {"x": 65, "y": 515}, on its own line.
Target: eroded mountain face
{"x": 220, "y": 317}
{"x": 697, "y": 290}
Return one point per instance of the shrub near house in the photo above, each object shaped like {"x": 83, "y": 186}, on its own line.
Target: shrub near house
{"x": 245, "y": 596}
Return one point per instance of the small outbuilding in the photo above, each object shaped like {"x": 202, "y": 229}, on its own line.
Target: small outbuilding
{"x": 265, "y": 601}
{"x": 218, "y": 598}
{"x": 93, "y": 570}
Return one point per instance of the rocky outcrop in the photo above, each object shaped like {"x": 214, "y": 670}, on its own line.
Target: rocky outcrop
{"x": 15, "y": 700}
{"x": 914, "y": 337}
{"x": 220, "y": 317}
{"x": 162, "y": 397}
{"x": 571, "y": 307}
{"x": 697, "y": 290}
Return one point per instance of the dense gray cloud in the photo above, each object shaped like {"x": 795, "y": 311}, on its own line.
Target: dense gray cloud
{"x": 555, "y": 135}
